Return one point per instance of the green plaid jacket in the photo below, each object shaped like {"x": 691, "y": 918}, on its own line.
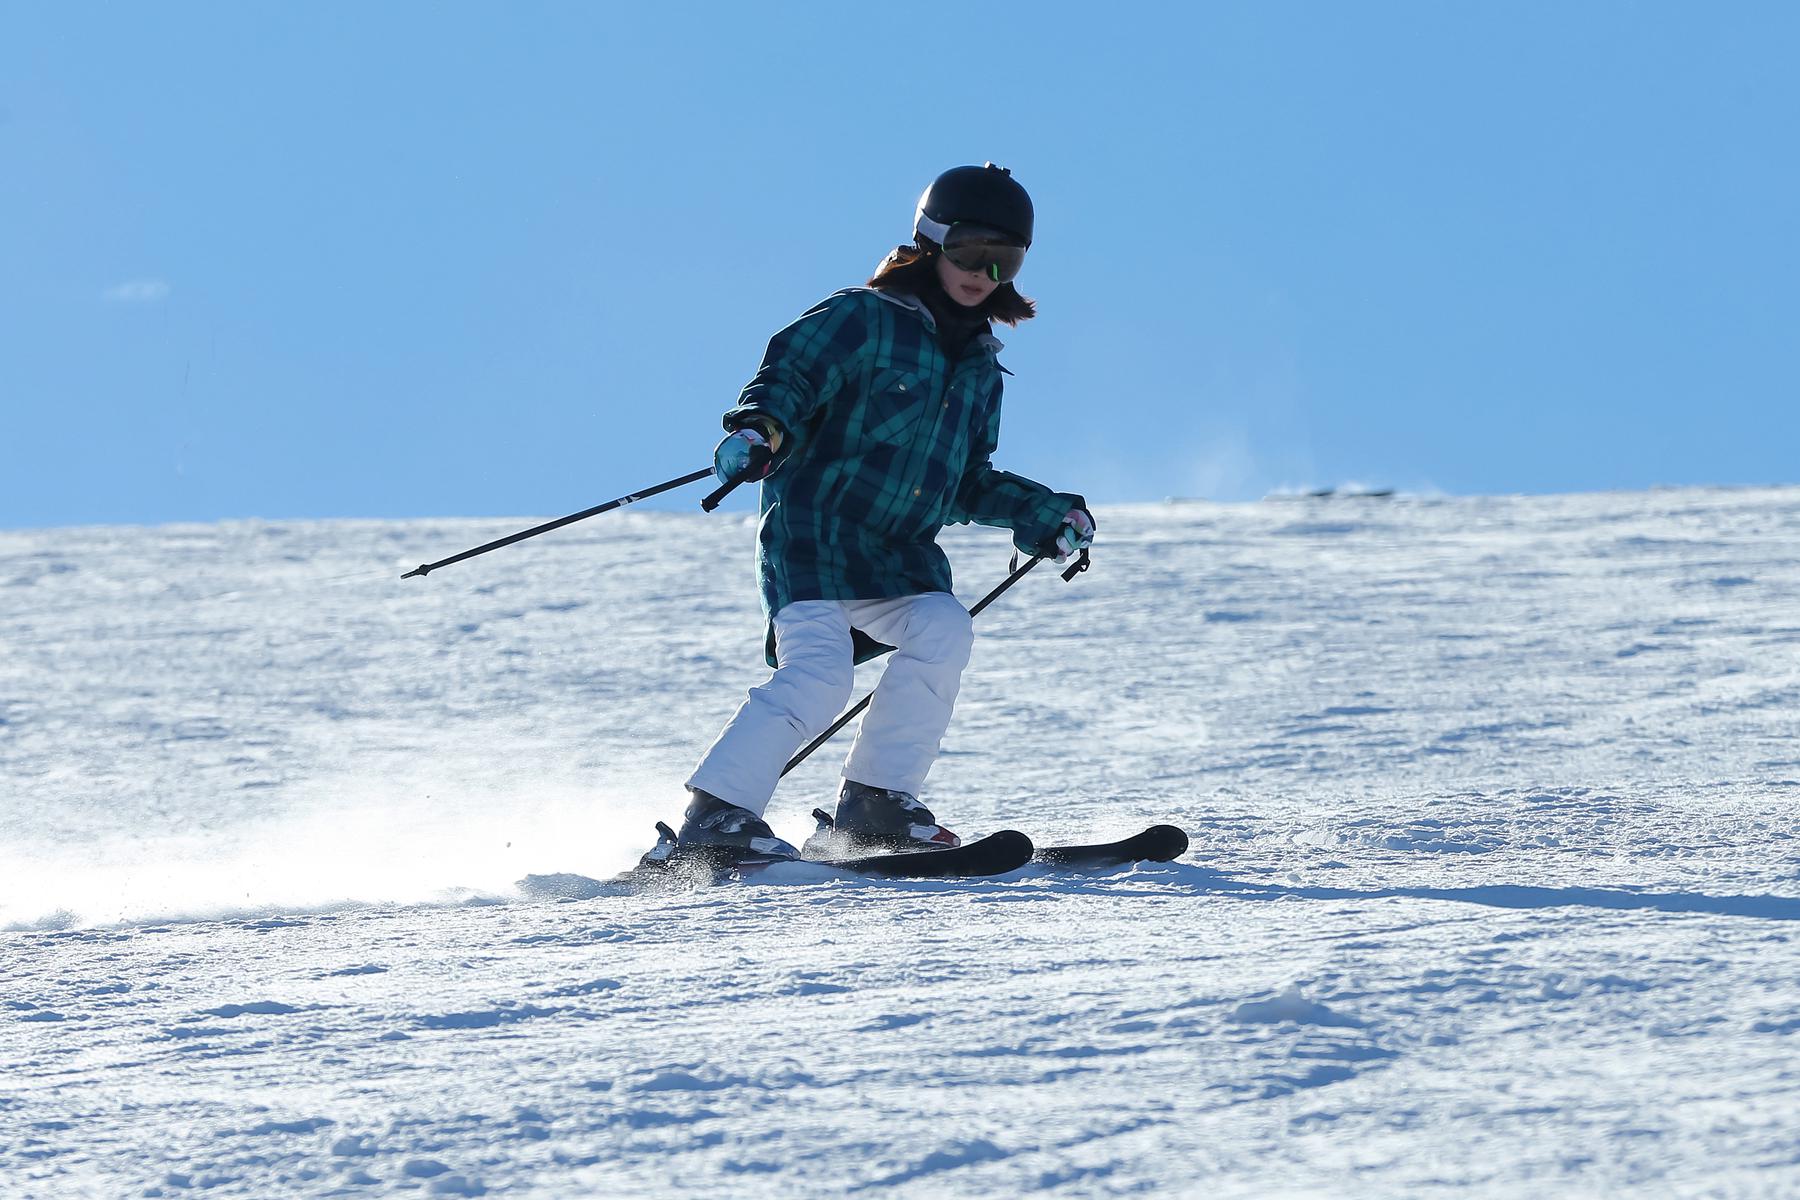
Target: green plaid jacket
{"x": 886, "y": 442}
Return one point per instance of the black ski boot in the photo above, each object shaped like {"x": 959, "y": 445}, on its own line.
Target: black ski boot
{"x": 871, "y": 819}
{"x": 716, "y": 829}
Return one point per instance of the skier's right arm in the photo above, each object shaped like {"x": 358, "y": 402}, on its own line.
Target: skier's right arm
{"x": 803, "y": 370}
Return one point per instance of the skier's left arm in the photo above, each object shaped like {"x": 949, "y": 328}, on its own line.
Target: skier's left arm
{"x": 1053, "y": 524}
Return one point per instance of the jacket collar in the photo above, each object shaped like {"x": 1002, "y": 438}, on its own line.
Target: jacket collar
{"x": 904, "y": 300}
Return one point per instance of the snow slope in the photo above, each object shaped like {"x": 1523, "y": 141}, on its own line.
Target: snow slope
{"x": 1493, "y": 887}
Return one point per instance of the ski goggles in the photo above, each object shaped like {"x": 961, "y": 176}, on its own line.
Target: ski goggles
{"x": 984, "y": 249}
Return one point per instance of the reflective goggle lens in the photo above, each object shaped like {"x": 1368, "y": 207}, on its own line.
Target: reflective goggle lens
{"x": 993, "y": 252}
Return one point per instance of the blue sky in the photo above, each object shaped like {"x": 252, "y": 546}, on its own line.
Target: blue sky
{"x": 404, "y": 259}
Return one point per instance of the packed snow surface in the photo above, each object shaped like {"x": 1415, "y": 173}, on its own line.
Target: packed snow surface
{"x": 1493, "y": 888}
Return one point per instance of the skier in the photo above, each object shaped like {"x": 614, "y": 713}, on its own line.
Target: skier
{"x": 870, "y": 423}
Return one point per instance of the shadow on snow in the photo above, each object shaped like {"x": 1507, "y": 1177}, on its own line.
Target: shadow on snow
{"x": 1517, "y": 896}
{"x": 1161, "y": 879}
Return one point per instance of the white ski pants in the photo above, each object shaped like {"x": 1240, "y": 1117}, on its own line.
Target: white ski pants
{"x": 931, "y": 634}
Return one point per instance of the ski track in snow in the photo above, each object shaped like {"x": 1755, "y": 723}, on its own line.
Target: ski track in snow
{"x": 1493, "y": 890}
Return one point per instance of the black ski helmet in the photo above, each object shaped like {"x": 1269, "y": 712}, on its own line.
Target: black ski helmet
{"x": 985, "y": 195}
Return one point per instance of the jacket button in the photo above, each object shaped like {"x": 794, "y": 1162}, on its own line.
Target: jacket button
{"x": 915, "y": 491}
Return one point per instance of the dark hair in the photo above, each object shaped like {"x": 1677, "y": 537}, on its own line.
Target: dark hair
{"x": 913, "y": 269}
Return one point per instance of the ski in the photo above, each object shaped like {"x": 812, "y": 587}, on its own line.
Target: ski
{"x": 1159, "y": 843}
{"x": 995, "y": 854}
{"x": 668, "y": 866}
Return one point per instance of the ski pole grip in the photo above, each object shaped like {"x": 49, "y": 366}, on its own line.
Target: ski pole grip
{"x": 718, "y": 494}
{"x": 758, "y": 463}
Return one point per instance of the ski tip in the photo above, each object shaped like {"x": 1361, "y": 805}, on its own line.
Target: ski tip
{"x": 1009, "y": 842}
{"x": 1171, "y": 842}
{"x": 1158, "y": 843}
{"x": 1005, "y": 851}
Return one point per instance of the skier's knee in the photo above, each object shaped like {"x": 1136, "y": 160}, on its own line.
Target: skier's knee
{"x": 814, "y": 699}
{"x": 827, "y": 704}
{"x": 946, "y": 633}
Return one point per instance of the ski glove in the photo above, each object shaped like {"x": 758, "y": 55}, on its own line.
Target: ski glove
{"x": 746, "y": 454}
{"x": 1076, "y": 533}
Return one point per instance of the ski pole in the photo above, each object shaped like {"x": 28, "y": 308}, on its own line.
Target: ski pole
{"x": 546, "y": 527}
{"x": 1081, "y": 564}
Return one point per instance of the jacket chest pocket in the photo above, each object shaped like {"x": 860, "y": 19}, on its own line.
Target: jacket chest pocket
{"x": 896, "y": 402}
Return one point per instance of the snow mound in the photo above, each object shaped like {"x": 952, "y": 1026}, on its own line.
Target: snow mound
{"x": 1291, "y": 1007}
